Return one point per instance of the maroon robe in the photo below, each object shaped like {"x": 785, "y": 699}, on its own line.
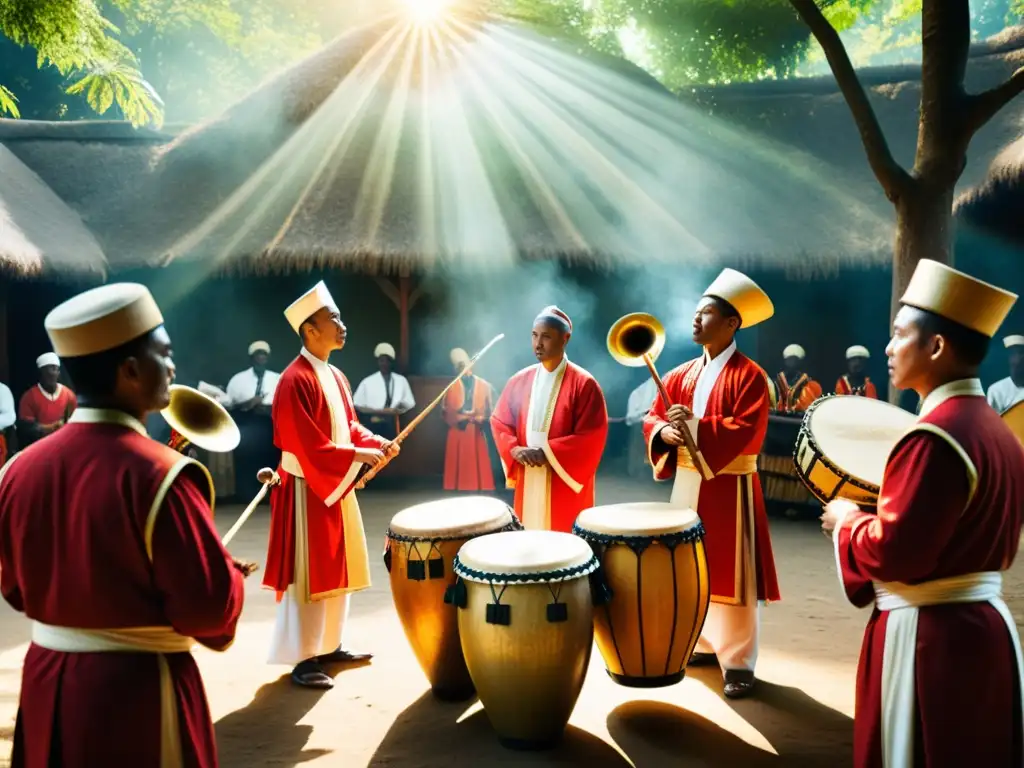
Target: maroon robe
{"x": 950, "y": 505}
{"x": 103, "y": 528}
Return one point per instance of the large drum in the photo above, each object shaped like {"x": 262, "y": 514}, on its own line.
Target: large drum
{"x": 844, "y": 443}
{"x": 526, "y": 620}
{"x": 1014, "y": 419}
{"x": 419, "y": 553}
{"x": 652, "y": 559}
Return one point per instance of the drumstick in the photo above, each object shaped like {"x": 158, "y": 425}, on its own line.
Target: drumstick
{"x": 373, "y": 471}
{"x": 268, "y": 477}
{"x": 688, "y": 442}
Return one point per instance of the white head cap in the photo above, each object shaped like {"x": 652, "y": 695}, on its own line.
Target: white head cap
{"x": 459, "y": 355}
{"x": 744, "y": 295}
{"x": 259, "y": 346}
{"x": 303, "y": 308}
{"x": 384, "y": 349}
{"x": 47, "y": 358}
{"x": 1013, "y": 341}
{"x": 102, "y": 318}
{"x": 857, "y": 351}
{"x": 794, "y": 350}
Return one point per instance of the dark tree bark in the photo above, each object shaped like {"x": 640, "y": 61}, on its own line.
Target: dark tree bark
{"x": 949, "y": 118}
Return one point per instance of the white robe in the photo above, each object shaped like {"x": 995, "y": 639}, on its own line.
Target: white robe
{"x": 1004, "y": 394}
{"x": 730, "y": 631}
{"x": 372, "y": 393}
{"x": 8, "y": 415}
{"x": 242, "y": 386}
{"x": 303, "y": 629}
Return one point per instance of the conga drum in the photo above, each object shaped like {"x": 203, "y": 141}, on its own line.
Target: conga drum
{"x": 652, "y": 559}
{"x": 526, "y": 620}
{"x": 1013, "y": 417}
{"x": 419, "y": 552}
{"x": 843, "y": 445}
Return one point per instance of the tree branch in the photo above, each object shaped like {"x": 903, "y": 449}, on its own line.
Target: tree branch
{"x": 982, "y": 107}
{"x": 893, "y": 178}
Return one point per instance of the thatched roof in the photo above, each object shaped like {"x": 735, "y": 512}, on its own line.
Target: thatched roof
{"x": 996, "y": 206}
{"x": 38, "y": 231}
{"x": 731, "y": 174}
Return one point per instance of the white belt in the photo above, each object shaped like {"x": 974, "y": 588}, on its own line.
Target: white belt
{"x": 124, "y": 640}
{"x": 902, "y": 601}
{"x": 290, "y": 464}
{"x": 968, "y": 588}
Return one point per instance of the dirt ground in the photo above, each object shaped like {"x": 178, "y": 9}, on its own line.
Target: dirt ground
{"x": 382, "y": 714}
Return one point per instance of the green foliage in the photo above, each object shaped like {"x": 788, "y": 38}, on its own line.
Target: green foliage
{"x": 8, "y": 103}
{"x": 79, "y": 41}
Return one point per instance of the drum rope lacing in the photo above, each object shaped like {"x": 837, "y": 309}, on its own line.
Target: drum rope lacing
{"x": 638, "y": 543}
{"x": 541, "y": 577}
{"x": 511, "y": 525}
{"x": 414, "y": 567}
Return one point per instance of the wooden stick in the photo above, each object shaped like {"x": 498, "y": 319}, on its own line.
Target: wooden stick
{"x": 274, "y": 479}
{"x": 688, "y": 442}
{"x": 373, "y": 471}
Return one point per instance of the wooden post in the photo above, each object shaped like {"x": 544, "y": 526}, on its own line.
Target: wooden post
{"x": 404, "y": 296}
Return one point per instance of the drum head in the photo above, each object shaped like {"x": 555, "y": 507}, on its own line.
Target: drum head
{"x": 637, "y": 519}
{"x": 452, "y": 518}
{"x": 857, "y": 434}
{"x": 1014, "y": 419}
{"x": 523, "y": 553}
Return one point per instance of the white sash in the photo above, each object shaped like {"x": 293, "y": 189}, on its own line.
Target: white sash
{"x": 902, "y": 602}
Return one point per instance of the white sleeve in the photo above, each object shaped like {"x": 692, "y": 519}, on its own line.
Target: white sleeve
{"x": 359, "y": 398}
{"x": 8, "y": 415}
{"x": 270, "y": 387}
{"x": 406, "y": 401}
{"x": 238, "y": 388}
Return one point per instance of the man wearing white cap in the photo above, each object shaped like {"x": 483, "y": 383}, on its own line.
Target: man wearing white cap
{"x": 1006, "y": 393}
{"x": 251, "y": 394}
{"x": 317, "y": 552}
{"x": 796, "y": 389}
{"x": 467, "y": 409}
{"x": 108, "y": 545}
{"x": 385, "y": 395}
{"x": 550, "y": 426}
{"x": 940, "y": 675}
{"x": 720, "y": 400}
{"x": 855, "y": 381}
{"x": 46, "y": 407}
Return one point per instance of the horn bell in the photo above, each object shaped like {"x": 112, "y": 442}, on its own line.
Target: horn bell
{"x": 201, "y": 420}
{"x": 634, "y": 336}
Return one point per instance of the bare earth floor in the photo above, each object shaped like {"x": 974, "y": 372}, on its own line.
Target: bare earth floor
{"x": 382, "y": 714}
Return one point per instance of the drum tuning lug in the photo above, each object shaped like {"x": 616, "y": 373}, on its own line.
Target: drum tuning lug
{"x": 435, "y": 568}
{"x": 387, "y": 559}
{"x": 499, "y": 614}
{"x": 415, "y": 570}
{"x": 557, "y": 613}
{"x": 456, "y": 594}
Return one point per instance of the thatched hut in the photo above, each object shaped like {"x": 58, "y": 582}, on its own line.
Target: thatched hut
{"x": 996, "y": 206}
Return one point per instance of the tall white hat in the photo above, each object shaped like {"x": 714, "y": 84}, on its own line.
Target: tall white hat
{"x": 102, "y": 318}
{"x": 957, "y": 296}
{"x": 745, "y": 296}
{"x": 303, "y": 308}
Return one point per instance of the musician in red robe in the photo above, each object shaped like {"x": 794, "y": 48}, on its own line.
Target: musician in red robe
{"x": 722, "y": 399}
{"x": 107, "y": 544}
{"x": 940, "y": 676}
{"x": 45, "y": 407}
{"x": 550, "y": 426}
{"x": 796, "y": 389}
{"x": 855, "y": 381}
{"x": 317, "y": 552}
{"x": 467, "y": 409}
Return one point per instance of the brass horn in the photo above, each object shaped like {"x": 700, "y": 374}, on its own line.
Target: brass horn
{"x": 635, "y": 336}
{"x": 201, "y": 420}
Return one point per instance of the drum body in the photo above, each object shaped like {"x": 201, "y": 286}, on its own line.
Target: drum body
{"x": 420, "y": 550}
{"x": 843, "y": 446}
{"x": 653, "y": 560}
{"x": 526, "y": 622}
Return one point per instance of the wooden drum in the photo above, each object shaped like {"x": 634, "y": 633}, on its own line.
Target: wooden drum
{"x": 653, "y": 561}
{"x": 527, "y": 626}
{"x": 843, "y": 445}
{"x": 420, "y": 548}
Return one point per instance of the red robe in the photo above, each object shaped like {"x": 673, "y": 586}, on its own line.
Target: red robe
{"x": 467, "y": 464}
{"x": 798, "y": 397}
{"x": 36, "y": 406}
{"x": 305, "y": 431}
{"x": 90, "y": 540}
{"x": 729, "y": 438}
{"x": 844, "y": 387}
{"x": 951, "y": 503}
{"x": 576, "y": 428}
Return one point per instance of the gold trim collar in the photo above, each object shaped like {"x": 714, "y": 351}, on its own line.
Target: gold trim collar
{"x": 107, "y": 416}
{"x": 958, "y": 388}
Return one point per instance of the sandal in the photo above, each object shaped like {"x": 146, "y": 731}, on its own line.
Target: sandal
{"x": 309, "y": 674}
{"x": 739, "y": 683}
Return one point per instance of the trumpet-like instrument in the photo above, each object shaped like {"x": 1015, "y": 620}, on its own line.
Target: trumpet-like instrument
{"x": 199, "y": 420}
{"x": 638, "y": 339}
